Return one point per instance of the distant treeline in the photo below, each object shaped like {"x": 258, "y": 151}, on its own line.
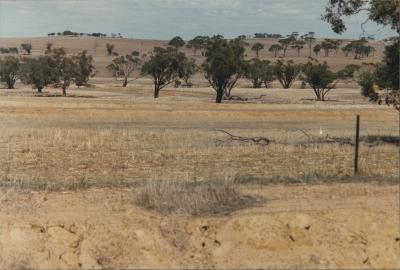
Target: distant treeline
{"x": 76, "y": 34}
{"x": 266, "y": 35}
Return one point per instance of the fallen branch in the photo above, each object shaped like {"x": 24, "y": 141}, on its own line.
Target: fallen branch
{"x": 257, "y": 140}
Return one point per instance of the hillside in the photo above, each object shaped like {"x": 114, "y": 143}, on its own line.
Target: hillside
{"x": 97, "y": 48}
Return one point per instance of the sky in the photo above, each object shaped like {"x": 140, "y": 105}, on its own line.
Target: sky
{"x": 163, "y": 19}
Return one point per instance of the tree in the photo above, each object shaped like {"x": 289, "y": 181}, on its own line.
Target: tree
{"x": 84, "y": 68}
{"x": 347, "y": 49}
{"x": 386, "y": 77}
{"x": 359, "y": 48}
{"x": 27, "y": 47}
{"x": 286, "y": 73}
{"x": 224, "y": 65}
{"x": 176, "y": 42}
{"x": 309, "y": 39}
{"x": 9, "y": 69}
{"x": 188, "y": 69}
{"x": 317, "y": 49}
{"x": 198, "y": 43}
{"x": 164, "y": 66}
{"x": 367, "y": 82}
{"x": 327, "y": 45}
{"x": 124, "y": 66}
{"x": 286, "y": 43}
{"x": 382, "y": 12}
{"x": 39, "y": 72}
{"x": 298, "y": 45}
{"x": 321, "y": 79}
{"x": 257, "y": 47}
{"x": 258, "y": 72}
{"x": 275, "y": 48}
{"x": 64, "y": 69}
{"x": 110, "y": 48}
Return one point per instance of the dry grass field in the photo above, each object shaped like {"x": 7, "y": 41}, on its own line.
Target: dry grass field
{"x": 110, "y": 178}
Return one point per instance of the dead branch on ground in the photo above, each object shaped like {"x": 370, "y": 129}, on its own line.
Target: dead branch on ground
{"x": 257, "y": 140}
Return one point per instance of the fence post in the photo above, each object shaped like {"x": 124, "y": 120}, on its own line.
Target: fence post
{"x": 357, "y": 145}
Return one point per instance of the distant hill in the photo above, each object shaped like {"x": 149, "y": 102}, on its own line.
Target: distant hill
{"x": 97, "y": 48}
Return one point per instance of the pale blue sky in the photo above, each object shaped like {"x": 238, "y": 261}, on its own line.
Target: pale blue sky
{"x": 163, "y": 19}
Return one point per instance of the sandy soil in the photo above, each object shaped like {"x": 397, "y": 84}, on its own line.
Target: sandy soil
{"x": 334, "y": 226}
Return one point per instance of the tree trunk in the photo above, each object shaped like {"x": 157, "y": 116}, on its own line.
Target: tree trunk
{"x": 156, "y": 91}
{"x": 64, "y": 91}
{"x": 10, "y": 85}
{"x": 220, "y": 94}
{"x": 125, "y": 83}
{"x": 318, "y": 94}
{"x": 40, "y": 89}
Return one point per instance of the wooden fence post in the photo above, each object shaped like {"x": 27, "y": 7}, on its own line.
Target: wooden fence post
{"x": 357, "y": 145}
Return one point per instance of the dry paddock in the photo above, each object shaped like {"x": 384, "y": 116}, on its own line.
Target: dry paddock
{"x": 72, "y": 169}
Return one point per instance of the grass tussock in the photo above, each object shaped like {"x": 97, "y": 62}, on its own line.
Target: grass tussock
{"x": 193, "y": 198}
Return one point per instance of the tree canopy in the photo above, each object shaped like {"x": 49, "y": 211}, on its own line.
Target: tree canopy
{"x": 224, "y": 65}
{"x": 177, "y": 42}
{"x": 164, "y": 66}
{"x": 124, "y": 66}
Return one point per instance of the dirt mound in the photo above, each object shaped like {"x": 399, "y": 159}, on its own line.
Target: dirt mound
{"x": 337, "y": 226}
